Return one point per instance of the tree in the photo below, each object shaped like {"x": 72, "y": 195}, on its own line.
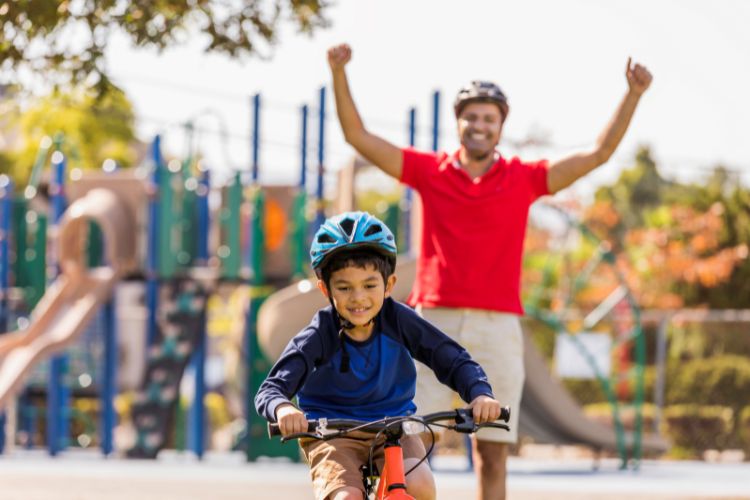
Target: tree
{"x": 637, "y": 190}
{"x": 94, "y": 128}
{"x": 685, "y": 244}
{"x": 66, "y": 40}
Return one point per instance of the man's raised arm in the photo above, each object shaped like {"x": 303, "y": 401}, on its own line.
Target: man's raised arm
{"x": 564, "y": 172}
{"x": 377, "y": 150}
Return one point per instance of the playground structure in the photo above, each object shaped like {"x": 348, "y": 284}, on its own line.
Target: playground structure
{"x": 257, "y": 239}
{"x": 159, "y": 238}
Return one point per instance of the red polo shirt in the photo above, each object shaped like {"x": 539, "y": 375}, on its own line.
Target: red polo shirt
{"x": 472, "y": 230}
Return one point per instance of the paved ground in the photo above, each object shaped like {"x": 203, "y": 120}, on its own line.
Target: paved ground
{"x": 84, "y": 476}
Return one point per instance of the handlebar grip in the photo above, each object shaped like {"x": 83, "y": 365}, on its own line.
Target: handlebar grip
{"x": 274, "y": 431}
{"x": 504, "y": 413}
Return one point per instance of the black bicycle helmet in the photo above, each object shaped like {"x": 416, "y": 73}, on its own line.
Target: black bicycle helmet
{"x": 481, "y": 91}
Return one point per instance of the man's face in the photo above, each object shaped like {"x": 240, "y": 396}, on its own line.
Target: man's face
{"x": 479, "y": 128}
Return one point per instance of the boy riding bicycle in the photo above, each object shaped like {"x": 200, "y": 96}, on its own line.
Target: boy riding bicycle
{"x": 356, "y": 360}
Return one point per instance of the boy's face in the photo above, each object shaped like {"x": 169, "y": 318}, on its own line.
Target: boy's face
{"x": 358, "y": 294}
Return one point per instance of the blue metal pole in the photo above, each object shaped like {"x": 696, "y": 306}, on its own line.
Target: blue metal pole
{"x": 409, "y": 195}
{"x": 248, "y": 254}
{"x": 435, "y": 120}
{"x": 320, "y": 215}
{"x": 6, "y": 206}
{"x": 412, "y": 126}
{"x": 197, "y": 410}
{"x": 256, "y": 136}
{"x": 109, "y": 377}
{"x": 152, "y": 247}
{"x": 109, "y": 369}
{"x": 197, "y": 430}
{"x": 303, "y": 149}
{"x": 57, "y": 393}
{"x": 204, "y": 188}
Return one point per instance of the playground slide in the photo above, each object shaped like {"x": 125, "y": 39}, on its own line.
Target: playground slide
{"x": 73, "y": 299}
{"x": 61, "y": 316}
{"x": 548, "y": 413}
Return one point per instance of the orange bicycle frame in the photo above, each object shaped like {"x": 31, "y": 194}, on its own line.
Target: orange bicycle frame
{"x": 392, "y": 484}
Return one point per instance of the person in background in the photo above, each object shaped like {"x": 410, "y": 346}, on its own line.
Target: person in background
{"x": 475, "y": 209}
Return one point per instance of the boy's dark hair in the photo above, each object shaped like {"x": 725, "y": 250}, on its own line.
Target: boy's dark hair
{"x": 361, "y": 258}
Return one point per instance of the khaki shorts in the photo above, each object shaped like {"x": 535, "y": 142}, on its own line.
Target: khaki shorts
{"x": 495, "y": 341}
{"x": 336, "y": 463}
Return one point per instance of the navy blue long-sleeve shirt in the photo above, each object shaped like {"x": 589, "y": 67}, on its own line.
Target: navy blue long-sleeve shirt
{"x": 381, "y": 379}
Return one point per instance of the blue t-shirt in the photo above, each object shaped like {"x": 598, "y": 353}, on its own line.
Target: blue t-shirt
{"x": 381, "y": 379}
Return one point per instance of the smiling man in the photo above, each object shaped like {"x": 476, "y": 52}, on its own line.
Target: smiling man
{"x": 475, "y": 208}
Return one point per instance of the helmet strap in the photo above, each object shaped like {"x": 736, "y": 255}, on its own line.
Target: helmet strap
{"x": 345, "y": 325}
{"x": 344, "y": 353}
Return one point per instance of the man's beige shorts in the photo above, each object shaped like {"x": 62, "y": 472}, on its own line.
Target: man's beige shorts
{"x": 495, "y": 341}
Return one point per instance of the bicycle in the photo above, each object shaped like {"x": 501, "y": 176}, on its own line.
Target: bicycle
{"x": 392, "y": 483}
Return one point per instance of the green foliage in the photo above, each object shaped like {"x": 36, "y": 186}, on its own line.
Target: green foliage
{"x": 649, "y": 382}
{"x": 722, "y": 380}
{"x": 688, "y": 341}
{"x": 638, "y": 189}
{"x": 744, "y": 424}
{"x": 586, "y": 391}
{"x": 602, "y": 412}
{"x": 93, "y": 129}
{"x": 6, "y": 163}
{"x": 692, "y": 340}
{"x": 719, "y": 384}
{"x": 686, "y": 244}
{"x": 37, "y": 35}
{"x": 542, "y": 335}
{"x": 698, "y": 428}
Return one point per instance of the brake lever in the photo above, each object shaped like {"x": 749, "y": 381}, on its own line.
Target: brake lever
{"x": 299, "y": 435}
{"x": 464, "y": 421}
{"x": 493, "y": 424}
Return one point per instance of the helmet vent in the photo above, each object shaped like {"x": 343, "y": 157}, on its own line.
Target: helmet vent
{"x": 374, "y": 229}
{"x": 347, "y": 225}
{"x": 326, "y": 238}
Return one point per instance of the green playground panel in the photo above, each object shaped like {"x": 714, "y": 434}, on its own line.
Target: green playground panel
{"x": 95, "y": 245}
{"x": 30, "y": 267}
{"x": 230, "y": 253}
{"x": 298, "y": 245}
{"x": 258, "y": 199}
{"x": 177, "y": 238}
{"x": 258, "y": 442}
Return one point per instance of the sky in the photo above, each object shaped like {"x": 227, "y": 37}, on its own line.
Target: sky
{"x": 561, "y": 62}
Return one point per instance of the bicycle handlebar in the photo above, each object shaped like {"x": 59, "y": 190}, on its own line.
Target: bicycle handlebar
{"x": 463, "y": 418}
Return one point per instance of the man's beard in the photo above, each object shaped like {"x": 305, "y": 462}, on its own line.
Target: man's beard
{"x": 476, "y": 155}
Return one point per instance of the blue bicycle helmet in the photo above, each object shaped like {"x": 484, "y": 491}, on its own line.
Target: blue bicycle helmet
{"x": 349, "y": 231}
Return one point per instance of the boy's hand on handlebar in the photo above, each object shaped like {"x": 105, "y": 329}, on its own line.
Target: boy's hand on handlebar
{"x": 290, "y": 419}
{"x": 485, "y": 409}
